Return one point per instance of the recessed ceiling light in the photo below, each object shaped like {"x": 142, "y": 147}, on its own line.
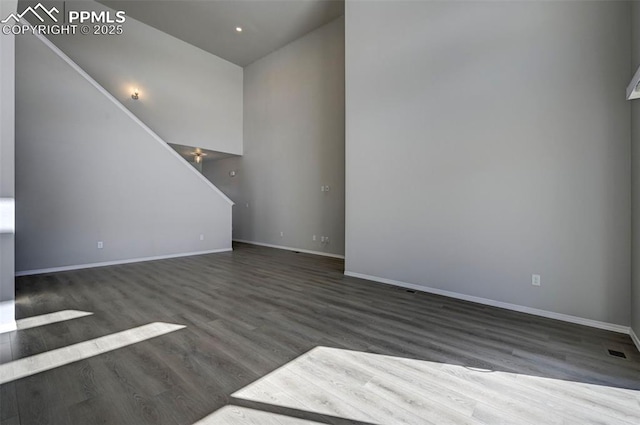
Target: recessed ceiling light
{"x": 239, "y": 29}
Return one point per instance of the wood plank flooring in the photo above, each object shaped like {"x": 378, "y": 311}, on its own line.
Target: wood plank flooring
{"x": 276, "y": 337}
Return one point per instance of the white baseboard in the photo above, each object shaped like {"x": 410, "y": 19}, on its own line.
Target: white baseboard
{"x": 288, "y": 248}
{"x": 116, "y": 262}
{"x": 7, "y": 316}
{"x": 515, "y": 307}
{"x": 634, "y": 338}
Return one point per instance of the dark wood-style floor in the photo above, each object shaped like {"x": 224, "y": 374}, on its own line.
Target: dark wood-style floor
{"x": 274, "y": 336}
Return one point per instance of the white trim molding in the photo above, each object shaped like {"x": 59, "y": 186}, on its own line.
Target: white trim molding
{"x": 288, "y": 248}
{"x": 634, "y": 338}
{"x": 116, "y": 262}
{"x": 515, "y": 307}
{"x": 7, "y": 316}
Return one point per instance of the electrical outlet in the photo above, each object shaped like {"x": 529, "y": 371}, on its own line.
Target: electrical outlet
{"x": 535, "y": 279}
{"x": 281, "y": 234}
{"x": 201, "y": 237}
{"x": 326, "y": 188}
{"x": 100, "y": 245}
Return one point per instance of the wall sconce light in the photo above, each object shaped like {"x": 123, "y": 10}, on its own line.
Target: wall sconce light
{"x": 135, "y": 95}
{"x": 198, "y": 157}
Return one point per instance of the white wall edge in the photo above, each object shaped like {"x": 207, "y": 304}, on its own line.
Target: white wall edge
{"x": 8, "y": 327}
{"x": 634, "y": 338}
{"x": 631, "y": 88}
{"x": 7, "y": 215}
{"x": 116, "y": 262}
{"x": 288, "y": 248}
{"x": 7, "y": 316}
{"x": 130, "y": 114}
{"x": 515, "y": 307}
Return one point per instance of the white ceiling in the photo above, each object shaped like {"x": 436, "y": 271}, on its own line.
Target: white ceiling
{"x": 210, "y": 25}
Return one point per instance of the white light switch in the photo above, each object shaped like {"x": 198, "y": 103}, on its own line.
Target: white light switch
{"x": 100, "y": 245}
{"x": 535, "y": 279}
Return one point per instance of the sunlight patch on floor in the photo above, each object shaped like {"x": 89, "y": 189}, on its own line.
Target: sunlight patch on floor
{"x": 243, "y": 415}
{"x": 380, "y": 389}
{"x": 46, "y": 319}
{"x": 62, "y": 356}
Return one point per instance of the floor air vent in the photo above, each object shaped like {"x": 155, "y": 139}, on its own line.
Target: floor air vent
{"x": 615, "y": 353}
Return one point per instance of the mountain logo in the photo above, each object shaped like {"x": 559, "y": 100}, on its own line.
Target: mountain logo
{"x": 34, "y": 11}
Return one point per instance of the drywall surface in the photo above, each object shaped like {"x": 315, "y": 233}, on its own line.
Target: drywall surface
{"x": 635, "y": 173}
{"x": 186, "y": 95}
{"x": 489, "y": 141}
{"x": 7, "y": 166}
{"x": 293, "y": 145}
{"x": 86, "y": 172}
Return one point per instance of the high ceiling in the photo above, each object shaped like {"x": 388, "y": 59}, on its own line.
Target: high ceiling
{"x": 211, "y": 24}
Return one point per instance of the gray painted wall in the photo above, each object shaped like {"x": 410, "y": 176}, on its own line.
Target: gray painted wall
{"x": 635, "y": 173}
{"x": 187, "y": 96}
{"x": 293, "y": 145}
{"x": 487, "y": 141}
{"x": 7, "y": 169}
{"x": 86, "y": 172}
